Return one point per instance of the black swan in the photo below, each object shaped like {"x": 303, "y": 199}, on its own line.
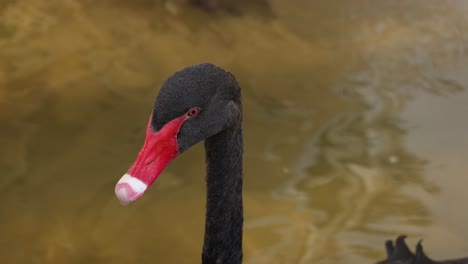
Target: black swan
{"x": 399, "y": 253}
{"x": 200, "y": 102}
{"x": 203, "y": 102}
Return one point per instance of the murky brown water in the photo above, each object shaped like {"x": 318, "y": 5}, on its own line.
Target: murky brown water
{"x": 355, "y": 128}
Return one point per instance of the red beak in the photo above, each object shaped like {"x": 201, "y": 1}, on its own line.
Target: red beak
{"x": 159, "y": 149}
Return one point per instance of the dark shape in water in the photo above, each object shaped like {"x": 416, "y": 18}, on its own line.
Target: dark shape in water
{"x": 234, "y": 7}
{"x": 399, "y": 253}
{"x": 207, "y": 4}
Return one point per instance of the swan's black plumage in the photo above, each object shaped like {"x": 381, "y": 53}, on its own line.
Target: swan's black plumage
{"x": 217, "y": 94}
{"x": 212, "y": 89}
{"x": 224, "y": 211}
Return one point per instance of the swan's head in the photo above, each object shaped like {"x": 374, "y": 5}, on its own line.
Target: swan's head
{"x": 192, "y": 105}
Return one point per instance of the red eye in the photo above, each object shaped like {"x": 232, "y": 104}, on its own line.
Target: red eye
{"x": 193, "y": 111}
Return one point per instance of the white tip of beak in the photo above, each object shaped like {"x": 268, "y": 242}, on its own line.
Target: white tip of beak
{"x": 129, "y": 189}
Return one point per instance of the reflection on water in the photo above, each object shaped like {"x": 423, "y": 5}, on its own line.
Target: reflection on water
{"x": 353, "y": 121}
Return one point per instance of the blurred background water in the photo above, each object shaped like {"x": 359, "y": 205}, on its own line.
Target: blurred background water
{"x": 355, "y": 127}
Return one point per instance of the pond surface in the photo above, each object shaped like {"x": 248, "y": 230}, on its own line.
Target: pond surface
{"x": 355, "y": 128}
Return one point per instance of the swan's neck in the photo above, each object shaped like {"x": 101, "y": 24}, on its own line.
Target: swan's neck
{"x": 224, "y": 213}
